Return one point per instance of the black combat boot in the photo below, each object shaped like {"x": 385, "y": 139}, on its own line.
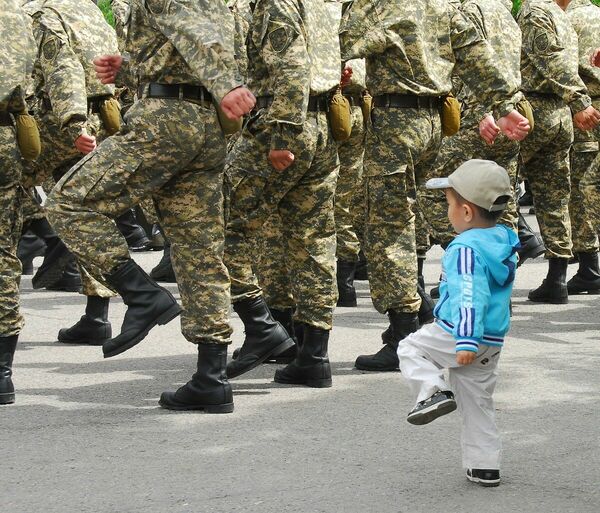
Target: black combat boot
{"x": 420, "y": 277}
{"x": 7, "y": 353}
{"x": 157, "y": 238}
{"x": 386, "y": 359}
{"x": 425, "y": 314}
{"x": 553, "y": 289}
{"x": 265, "y": 337}
{"x": 56, "y": 256}
{"x": 134, "y": 234}
{"x": 532, "y": 245}
{"x": 311, "y": 366}
{"x": 208, "y": 390}
{"x": 164, "y": 269}
{"x": 93, "y": 328}
{"x": 345, "y": 283}
{"x": 70, "y": 280}
{"x": 360, "y": 273}
{"x": 30, "y": 246}
{"x": 148, "y": 304}
{"x": 587, "y": 278}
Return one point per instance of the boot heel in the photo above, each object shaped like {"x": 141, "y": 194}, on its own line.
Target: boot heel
{"x": 283, "y": 347}
{"x": 319, "y": 383}
{"x": 169, "y": 315}
{"x": 219, "y": 408}
{"x": 7, "y": 398}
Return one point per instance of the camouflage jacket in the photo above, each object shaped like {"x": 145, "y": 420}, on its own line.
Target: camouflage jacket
{"x": 549, "y": 58}
{"x": 242, "y": 15}
{"x": 585, "y": 19}
{"x": 293, "y": 52}
{"x": 17, "y": 53}
{"x": 181, "y": 42}
{"x": 495, "y": 22}
{"x": 413, "y": 48}
{"x": 121, "y": 12}
{"x": 69, "y": 35}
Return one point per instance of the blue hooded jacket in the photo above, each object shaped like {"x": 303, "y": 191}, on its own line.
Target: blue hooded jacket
{"x": 478, "y": 271}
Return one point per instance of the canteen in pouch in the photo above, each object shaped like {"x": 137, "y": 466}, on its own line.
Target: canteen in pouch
{"x": 28, "y": 136}
{"x": 450, "y": 116}
{"x": 340, "y": 117}
{"x": 110, "y": 114}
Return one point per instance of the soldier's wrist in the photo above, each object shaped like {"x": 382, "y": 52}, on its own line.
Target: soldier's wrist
{"x": 579, "y": 104}
{"x": 75, "y": 129}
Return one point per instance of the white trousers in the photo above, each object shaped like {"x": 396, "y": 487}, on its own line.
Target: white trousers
{"x": 423, "y": 357}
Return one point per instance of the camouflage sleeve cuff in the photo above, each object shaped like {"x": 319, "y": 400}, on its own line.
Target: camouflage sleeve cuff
{"x": 504, "y": 108}
{"x": 285, "y": 136}
{"x": 125, "y": 76}
{"x": 75, "y": 128}
{"x": 580, "y": 103}
{"x": 224, "y": 85}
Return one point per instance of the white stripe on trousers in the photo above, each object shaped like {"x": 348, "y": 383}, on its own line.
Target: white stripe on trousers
{"x": 423, "y": 357}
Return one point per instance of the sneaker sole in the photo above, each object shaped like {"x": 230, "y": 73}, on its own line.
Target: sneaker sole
{"x": 161, "y": 320}
{"x": 483, "y": 482}
{"x": 206, "y": 408}
{"x": 284, "y": 346}
{"x": 428, "y": 415}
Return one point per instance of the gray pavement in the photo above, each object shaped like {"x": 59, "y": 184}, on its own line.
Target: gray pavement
{"x": 86, "y": 434}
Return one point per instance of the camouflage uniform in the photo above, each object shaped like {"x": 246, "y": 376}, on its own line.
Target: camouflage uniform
{"x": 293, "y": 56}
{"x": 414, "y": 58}
{"x": 549, "y": 67}
{"x": 585, "y": 172}
{"x": 494, "y": 18}
{"x": 171, "y": 149}
{"x": 16, "y": 55}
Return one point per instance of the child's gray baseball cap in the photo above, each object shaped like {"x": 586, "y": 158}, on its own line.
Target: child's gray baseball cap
{"x": 481, "y": 182}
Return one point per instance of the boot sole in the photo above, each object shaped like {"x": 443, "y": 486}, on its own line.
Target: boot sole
{"x": 313, "y": 383}
{"x": 207, "y": 408}
{"x": 161, "y": 320}
{"x": 83, "y": 342}
{"x": 388, "y": 369}
{"x": 284, "y": 346}
{"x": 7, "y": 398}
{"x": 425, "y": 417}
{"x": 559, "y": 301}
{"x": 348, "y": 304}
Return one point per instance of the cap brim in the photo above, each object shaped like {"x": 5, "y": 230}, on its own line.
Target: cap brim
{"x": 438, "y": 183}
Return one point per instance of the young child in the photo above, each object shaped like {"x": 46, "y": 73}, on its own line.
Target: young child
{"x": 472, "y": 317}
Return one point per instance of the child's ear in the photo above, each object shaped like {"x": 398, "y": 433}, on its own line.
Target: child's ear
{"x": 469, "y": 213}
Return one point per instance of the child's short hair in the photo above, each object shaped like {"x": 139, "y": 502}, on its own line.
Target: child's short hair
{"x": 490, "y": 216}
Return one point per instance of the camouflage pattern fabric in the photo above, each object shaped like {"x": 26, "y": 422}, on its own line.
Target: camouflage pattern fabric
{"x": 121, "y": 12}
{"x": 17, "y": 51}
{"x": 169, "y": 149}
{"x": 549, "y": 68}
{"x": 585, "y": 193}
{"x": 242, "y": 14}
{"x": 414, "y": 57}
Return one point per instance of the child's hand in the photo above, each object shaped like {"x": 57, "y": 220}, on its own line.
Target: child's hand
{"x": 465, "y": 357}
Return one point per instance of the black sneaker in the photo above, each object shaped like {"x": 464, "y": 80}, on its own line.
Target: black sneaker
{"x": 484, "y": 477}
{"x": 440, "y": 403}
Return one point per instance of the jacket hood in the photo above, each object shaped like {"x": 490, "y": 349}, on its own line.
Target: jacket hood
{"x": 497, "y": 246}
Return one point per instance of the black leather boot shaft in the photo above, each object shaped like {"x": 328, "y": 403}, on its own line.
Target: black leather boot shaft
{"x": 265, "y": 337}
{"x": 30, "y": 246}
{"x": 425, "y": 314}
{"x": 385, "y": 360}
{"x": 164, "y": 269}
{"x": 553, "y": 289}
{"x": 8, "y": 345}
{"x": 311, "y": 367}
{"x": 70, "y": 280}
{"x": 134, "y": 234}
{"x": 420, "y": 266}
{"x": 208, "y": 390}
{"x": 587, "y": 278}
{"x": 93, "y": 328}
{"x": 361, "y": 272}
{"x": 532, "y": 245}
{"x": 148, "y": 304}
{"x": 345, "y": 283}
{"x": 56, "y": 257}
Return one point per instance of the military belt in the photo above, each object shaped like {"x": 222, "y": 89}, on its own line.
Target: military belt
{"x": 354, "y": 99}
{"x": 190, "y": 93}
{"x": 407, "y": 101}
{"x": 5, "y": 119}
{"x": 315, "y": 103}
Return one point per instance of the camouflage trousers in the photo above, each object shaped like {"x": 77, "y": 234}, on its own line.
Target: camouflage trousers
{"x": 465, "y": 145}
{"x": 58, "y": 156}
{"x": 303, "y": 196}
{"x": 401, "y": 147}
{"x": 545, "y": 154}
{"x": 11, "y": 194}
{"x": 173, "y": 151}
{"x": 585, "y": 189}
{"x": 349, "y": 186}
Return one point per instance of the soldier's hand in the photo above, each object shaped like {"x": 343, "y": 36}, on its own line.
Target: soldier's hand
{"x": 488, "y": 129}
{"x": 107, "y": 67}
{"x": 237, "y": 102}
{"x": 85, "y": 143}
{"x": 346, "y": 76}
{"x": 281, "y": 159}
{"x": 465, "y": 357}
{"x": 595, "y": 60}
{"x": 587, "y": 119}
{"x": 514, "y": 126}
